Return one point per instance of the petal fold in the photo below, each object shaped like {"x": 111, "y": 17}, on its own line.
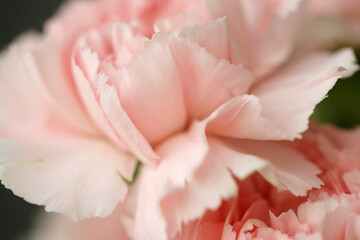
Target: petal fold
{"x": 207, "y": 81}
{"x": 284, "y": 167}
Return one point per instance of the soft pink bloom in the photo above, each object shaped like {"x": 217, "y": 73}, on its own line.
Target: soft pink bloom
{"x": 88, "y": 99}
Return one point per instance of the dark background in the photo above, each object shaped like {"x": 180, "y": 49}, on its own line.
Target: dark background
{"x": 342, "y": 107}
{"x": 17, "y": 16}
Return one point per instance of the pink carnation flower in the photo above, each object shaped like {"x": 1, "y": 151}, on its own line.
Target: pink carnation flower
{"x": 259, "y": 210}
{"x": 52, "y": 152}
{"x": 81, "y": 104}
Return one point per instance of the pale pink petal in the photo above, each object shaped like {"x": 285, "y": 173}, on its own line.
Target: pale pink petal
{"x": 289, "y": 97}
{"x": 313, "y": 213}
{"x": 341, "y": 152}
{"x": 347, "y": 140}
{"x": 334, "y": 225}
{"x": 312, "y": 236}
{"x": 123, "y": 125}
{"x": 213, "y": 180}
{"x": 353, "y": 228}
{"x": 80, "y": 178}
{"x": 287, "y": 169}
{"x": 228, "y": 233}
{"x": 242, "y": 117}
{"x": 207, "y": 81}
{"x": 276, "y": 44}
{"x": 189, "y": 231}
{"x": 36, "y": 99}
{"x": 212, "y": 35}
{"x": 210, "y": 184}
{"x": 64, "y": 25}
{"x": 196, "y": 15}
{"x": 352, "y": 180}
{"x": 182, "y": 155}
{"x": 288, "y": 223}
{"x": 262, "y": 32}
{"x": 240, "y": 164}
{"x": 151, "y": 93}
{"x": 46, "y": 70}
{"x": 270, "y": 234}
{"x": 174, "y": 7}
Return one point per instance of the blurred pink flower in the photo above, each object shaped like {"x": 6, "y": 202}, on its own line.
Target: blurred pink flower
{"x": 333, "y": 23}
{"x": 82, "y": 103}
{"x": 337, "y": 153}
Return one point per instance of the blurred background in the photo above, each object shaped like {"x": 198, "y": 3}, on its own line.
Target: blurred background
{"x": 342, "y": 107}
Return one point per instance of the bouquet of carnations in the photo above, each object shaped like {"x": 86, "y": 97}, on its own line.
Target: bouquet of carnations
{"x": 183, "y": 119}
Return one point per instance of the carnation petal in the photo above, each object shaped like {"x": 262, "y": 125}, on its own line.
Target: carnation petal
{"x": 212, "y": 35}
{"x": 313, "y": 213}
{"x": 207, "y": 81}
{"x": 288, "y": 222}
{"x": 242, "y": 117}
{"x": 286, "y": 168}
{"x": 123, "y": 125}
{"x": 151, "y": 95}
{"x": 194, "y": 15}
{"x": 211, "y": 183}
{"x": 79, "y": 178}
{"x": 186, "y": 195}
{"x": 262, "y": 32}
{"x": 289, "y": 97}
{"x": 334, "y": 225}
{"x": 36, "y": 99}
{"x": 181, "y": 156}
{"x": 353, "y": 228}
{"x": 240, "y": 164}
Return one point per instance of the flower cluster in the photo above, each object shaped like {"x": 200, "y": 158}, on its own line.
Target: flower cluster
{"x": 180, "y": 120}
